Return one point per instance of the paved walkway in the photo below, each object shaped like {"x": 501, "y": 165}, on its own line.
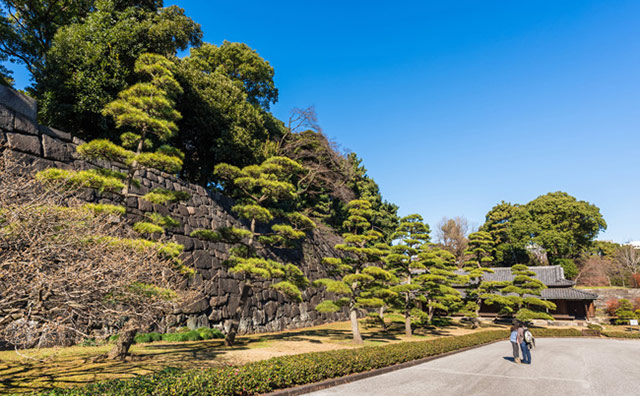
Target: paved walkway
{"x": 564, "y": 367}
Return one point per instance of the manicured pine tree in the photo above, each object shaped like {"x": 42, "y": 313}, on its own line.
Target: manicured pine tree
{"x": 412, "y": 233}
{"x": 518, "y": 296}
{"x": 438, "y": 280}
{"x": 149, "y": 109}
{"x": 359, "y": 273}
{"x": 479, "y": 258}
{"x": 265, "y": 194}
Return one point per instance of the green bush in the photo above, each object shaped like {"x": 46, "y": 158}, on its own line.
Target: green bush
{"x": 191, "y": 335}
{"x": 209, "y": 334}
{"x": 621, "y": 334}
{"x": 288, "y": 371}
{"x": 593, "y": 326}
{"x": 147, "y": 337}
{"x": 555, "y": 332}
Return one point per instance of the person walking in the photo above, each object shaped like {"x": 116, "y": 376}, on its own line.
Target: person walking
{"x": 526, "y": 354}
{"x": 514, "y": 342}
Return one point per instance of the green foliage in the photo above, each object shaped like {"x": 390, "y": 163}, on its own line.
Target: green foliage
{"x": 159, "y": 161}
{"x": 358, "y": 276}
{"x": 191, "y": 335}
{"x": 162, "y": 221}
{"x": 209, "y": 334}
{"x": 242, "y": 64}
{"x": 92, "y": 60}
{"x": 558, "y": 223}
{"x": 289, "y": 371}
{"x": 144, "y": 338}
{"x": 207, "y": 235}
{"x": 90, "y": 179}
{"x": 624, "y": 313}
{"x": 569, "y": 267}
{"x": 525, "y": 314}
{"x": 145, "y": 228}
{"x": 163, "y": 196}
{"x": 28, "y": 28}
{"x": 621, "y": 334}
{"x": 511, "y": 295}
{"x": 102, "y": 149}
{"x": 105, "y": 209}
{"x": 384, "y": 214}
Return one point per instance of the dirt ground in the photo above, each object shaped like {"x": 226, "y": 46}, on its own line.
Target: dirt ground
{"x": 76, "y": 366}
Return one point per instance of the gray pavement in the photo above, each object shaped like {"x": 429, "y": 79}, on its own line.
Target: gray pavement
{"x": 565, "y": 367}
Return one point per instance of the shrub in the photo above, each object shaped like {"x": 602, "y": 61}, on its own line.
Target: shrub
{"x": 145, "y": 228}
{"x": 191, "y": 335}
{"x": 612, "y": 306}
{"x": 569, "y": 267}
{"x": 636, "y": 304}
{"x": 147, "y": 337}
{"x": 593, "y": 326}
{"x": 163, "y": 196}
{"x": 105, "y": 209}
{"x": 209, "y": 334}
{"x": 621, "y": 334}
{"x": 288, "y": 371}
{"x": 624, "y": 312}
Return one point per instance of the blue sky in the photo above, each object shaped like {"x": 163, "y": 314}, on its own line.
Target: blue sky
{"x": 455, "y": 106}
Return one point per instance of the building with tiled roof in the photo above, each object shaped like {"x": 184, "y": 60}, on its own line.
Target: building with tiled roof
{"x": 571, "y": 303}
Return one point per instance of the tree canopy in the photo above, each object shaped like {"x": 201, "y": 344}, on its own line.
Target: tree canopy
{"x": 555, "y": 224}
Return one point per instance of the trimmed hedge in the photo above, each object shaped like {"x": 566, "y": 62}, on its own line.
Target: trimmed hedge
{"x": 289, "y": 371}
{"x": 556, "y": 332}
{"x": 621, "y": 334}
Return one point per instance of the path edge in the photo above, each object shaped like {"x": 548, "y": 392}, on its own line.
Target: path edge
{"x": 331, "y": 382}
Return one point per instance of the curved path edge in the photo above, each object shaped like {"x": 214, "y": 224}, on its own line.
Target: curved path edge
{"x": 331, "y": 382}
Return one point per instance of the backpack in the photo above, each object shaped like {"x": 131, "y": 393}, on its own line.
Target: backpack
{"x": 528, "y": 337}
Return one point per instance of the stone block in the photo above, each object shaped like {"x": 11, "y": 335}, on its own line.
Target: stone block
{"x": 230, "y": 286}
{"x": 25, "y": 143}
{"x": 19, "y": 102}
{"x": 6, "y": 119}
{"x": 201, "y": 304}
{"x": 196, "y": 322}
{"x": 25, "y": 124}
{"x": 55, "y": 150}
{"x": 55, "y": 133}
{"x": 185, "y": 241}
{"x": 219, "y": 300}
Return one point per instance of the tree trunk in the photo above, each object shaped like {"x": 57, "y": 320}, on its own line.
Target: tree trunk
{"x": 476, "y": 319}
{"x": 125, "y": 340}
{"x": 134, "y": 164}
{"x": 355, "y": 328}
{"x": 430, "y": 312}
{"x": 237, "y": 315}
{"x": 407, "y": 315}
{"x": 384, "y": 325}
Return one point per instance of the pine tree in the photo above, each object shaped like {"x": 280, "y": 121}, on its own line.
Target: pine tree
{"x": 479, "y": 257}
{"x": 265, "y": 195}
{"x": 518, "y": 296}
{"x": 437, "y": 283}
{"x": 148, "y": 108}
{"x": 360, "y": 276}
{"x": 412, "y": 234}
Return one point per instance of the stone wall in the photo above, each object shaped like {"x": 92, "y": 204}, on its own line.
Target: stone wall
{"x": 38, "y": 147}
{"x": 605, "y": 295}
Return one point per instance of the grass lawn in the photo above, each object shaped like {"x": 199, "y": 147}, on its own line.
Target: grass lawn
{"x": 78, "y": 365}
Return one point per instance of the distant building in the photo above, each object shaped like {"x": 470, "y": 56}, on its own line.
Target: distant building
{"x": 635, "y": 244}
{"x": 571, "y": 303}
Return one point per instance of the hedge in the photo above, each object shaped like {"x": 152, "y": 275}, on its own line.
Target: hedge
{"x": 621, "y": 334}
{"x": 293, "y": 370}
